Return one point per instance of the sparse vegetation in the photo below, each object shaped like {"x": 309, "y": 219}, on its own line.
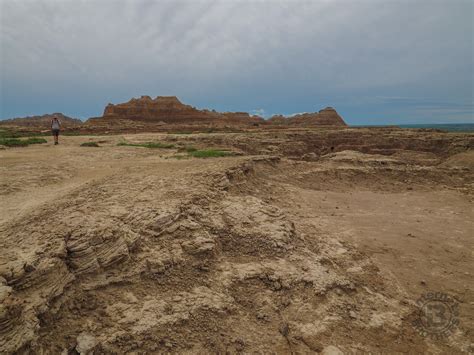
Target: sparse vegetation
{"x": 13, "y": 142}
{"x": 152, "y": 145}
{"x": 36, "y": 140}
{"x": 209, "y": 153}
{"x": 204, "y": 153}
{"x": 90, "y": 144}
{"x": 79, "y": 133}
{"x": 16, "y": 142}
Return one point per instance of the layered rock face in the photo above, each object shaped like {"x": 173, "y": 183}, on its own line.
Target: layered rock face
{"x": 169, "y": 109}
{"x": 325, "y": 117}
{"x": 41, "y": 121}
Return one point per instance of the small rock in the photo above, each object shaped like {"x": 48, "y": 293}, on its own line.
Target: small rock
{"x": 86, "y": 343}
{"x": 352, "y": 314}
{"x": 285, "y": 302}
{"x": 5, "y": 291}
{"x": 239, "y": 344}
{"x": 262, "y": 316}
{"x": 29, "y": 268}
{"x": 284, "y": 329}
{"x": 332, "y": 350}
{"x": 423, "y": 282}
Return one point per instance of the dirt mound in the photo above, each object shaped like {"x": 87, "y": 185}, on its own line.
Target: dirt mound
{"x": 43, "y": 121}
{"x": 462, "y": 160}
{"x": 358, "y": 158}
{"x": 325, "y": 117}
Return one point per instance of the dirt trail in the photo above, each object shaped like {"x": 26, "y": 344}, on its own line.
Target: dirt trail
{"x": 139, "y": 252}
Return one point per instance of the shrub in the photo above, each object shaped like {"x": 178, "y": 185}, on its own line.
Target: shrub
{"x": 89, "y": 144}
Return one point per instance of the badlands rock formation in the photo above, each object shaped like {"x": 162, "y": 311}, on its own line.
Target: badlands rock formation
{"x": 169, "y": 109}
{"x": 41, "y": 121}
{"x": 325, "y": 117}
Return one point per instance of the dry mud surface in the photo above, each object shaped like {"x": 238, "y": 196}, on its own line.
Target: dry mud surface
{"x": 123, "y": 249}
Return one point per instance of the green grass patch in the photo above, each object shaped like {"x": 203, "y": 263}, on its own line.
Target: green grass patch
{"x": 210, "y": 153}
{"x": 90, "y": 144}
{"x": 8, "y": 134}
{"x": 16, "y": 142}
{"x": 13, "y": 142}
{"x": 35, "y": 140}
{"x": 151, "y": 145}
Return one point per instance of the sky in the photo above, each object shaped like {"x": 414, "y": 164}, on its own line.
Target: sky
{"x": 375, "y": 61}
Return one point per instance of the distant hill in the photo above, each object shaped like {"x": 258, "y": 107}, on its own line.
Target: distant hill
{"x": 325, "y": 117}
{"x": 41, "y": 121}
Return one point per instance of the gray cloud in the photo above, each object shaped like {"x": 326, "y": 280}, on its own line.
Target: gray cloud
{"x": 279, "y": 56}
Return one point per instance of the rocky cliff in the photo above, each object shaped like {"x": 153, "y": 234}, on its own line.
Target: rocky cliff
{"x": 325, "y": 117}
{"x": 41, "y": 121}
{"x": 169, "y": 109}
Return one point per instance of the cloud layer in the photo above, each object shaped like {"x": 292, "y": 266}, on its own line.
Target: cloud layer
{"x": 375, "y": 61}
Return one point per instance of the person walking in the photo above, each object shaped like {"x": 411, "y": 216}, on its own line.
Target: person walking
{"x": 55, "y": 127}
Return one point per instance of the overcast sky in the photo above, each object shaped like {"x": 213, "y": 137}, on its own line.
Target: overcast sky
{"x": 375, "y": 61}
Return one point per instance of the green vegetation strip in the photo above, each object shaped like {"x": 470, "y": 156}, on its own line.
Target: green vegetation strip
{"x": 15, "y": 142}
{"x": 151, "y": 145}
{"x": 6, "y": 133}
{"x": 203, "y": 153}
{"x": 209, "y": 153}
{"x": 90, "y": 144}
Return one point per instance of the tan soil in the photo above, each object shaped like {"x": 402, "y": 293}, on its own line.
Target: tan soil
{"x": 125, "y": 249}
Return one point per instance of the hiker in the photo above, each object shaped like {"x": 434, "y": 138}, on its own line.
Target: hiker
{"x": 55, "y": 126}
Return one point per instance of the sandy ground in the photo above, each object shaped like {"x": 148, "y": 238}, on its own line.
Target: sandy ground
{"x": 127, "y": 249}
